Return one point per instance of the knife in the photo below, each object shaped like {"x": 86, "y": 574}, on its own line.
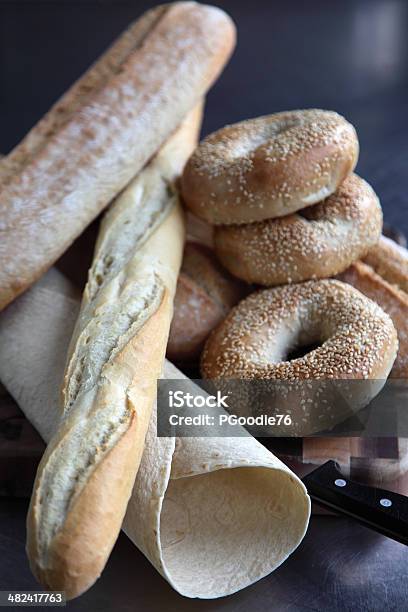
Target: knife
{"x": 383, "y": 511}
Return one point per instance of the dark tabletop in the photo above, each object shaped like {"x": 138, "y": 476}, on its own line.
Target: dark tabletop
{"x": 343, "y": 55}
{"x": 339, "y": 567}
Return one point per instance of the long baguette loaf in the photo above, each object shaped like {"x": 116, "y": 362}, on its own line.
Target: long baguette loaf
{"x": 102, "y": 132}
{"x": 86, "y": 476}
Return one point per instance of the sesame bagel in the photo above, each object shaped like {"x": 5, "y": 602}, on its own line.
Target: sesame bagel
{"x": 355, "y": 340}
{"x": 269, "y": 167}
{"x": 318, "y": 242}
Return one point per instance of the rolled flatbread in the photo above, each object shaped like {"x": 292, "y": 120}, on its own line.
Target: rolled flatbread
{"x": 213, "y": 515}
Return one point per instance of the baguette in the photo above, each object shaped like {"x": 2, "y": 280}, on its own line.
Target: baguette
{"x": 86, "y": 476}
{"x": 102, "y": 132}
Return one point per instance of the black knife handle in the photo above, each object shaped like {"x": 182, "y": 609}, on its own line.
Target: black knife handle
{"x": 381, "y": 510}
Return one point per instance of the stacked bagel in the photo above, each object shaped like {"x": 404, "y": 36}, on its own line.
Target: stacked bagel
{"x": 281, "y": 193}
{"x": 288, "y": 213}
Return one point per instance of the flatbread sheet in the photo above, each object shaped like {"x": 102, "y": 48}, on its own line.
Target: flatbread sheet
{"x": 213, "y": 515}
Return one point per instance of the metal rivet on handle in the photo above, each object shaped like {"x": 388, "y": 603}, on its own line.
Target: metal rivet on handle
{"x": 339, "y": 482}
{"x": 386, "y": 502}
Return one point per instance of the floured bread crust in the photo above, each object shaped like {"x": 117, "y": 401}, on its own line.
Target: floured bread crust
{"x": 95, "y": 139}
{"x": 86, "y": 475}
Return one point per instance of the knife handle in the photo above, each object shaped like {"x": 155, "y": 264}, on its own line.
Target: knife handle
{"x": 381, "y": 510}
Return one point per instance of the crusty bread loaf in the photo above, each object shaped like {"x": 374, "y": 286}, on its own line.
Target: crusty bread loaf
{"x": 102, "y": 132}
{"x": 86, "y": 475}
{"x": 392, "y": 299}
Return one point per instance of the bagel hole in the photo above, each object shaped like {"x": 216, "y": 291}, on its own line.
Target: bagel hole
{"x": 300, "y": 351}
{"x": 307, "y": 213}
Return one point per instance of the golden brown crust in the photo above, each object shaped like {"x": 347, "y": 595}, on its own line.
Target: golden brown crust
{"x": 269, "y": 167}
{"x": 73, "y": 555}
{"x": 116, "y": 355}
{"x": 390, "y": 261}
{"x": 392, "y": 300}
{"x": 319, "y": 242}
{"x": 111, "y": 122}
{"x": 77, "y": 552}
{"x": 205, "y": 294}
{"x": 356, "y": 338}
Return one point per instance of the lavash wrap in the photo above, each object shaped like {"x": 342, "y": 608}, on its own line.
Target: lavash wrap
{"x": 213, "y": 515}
